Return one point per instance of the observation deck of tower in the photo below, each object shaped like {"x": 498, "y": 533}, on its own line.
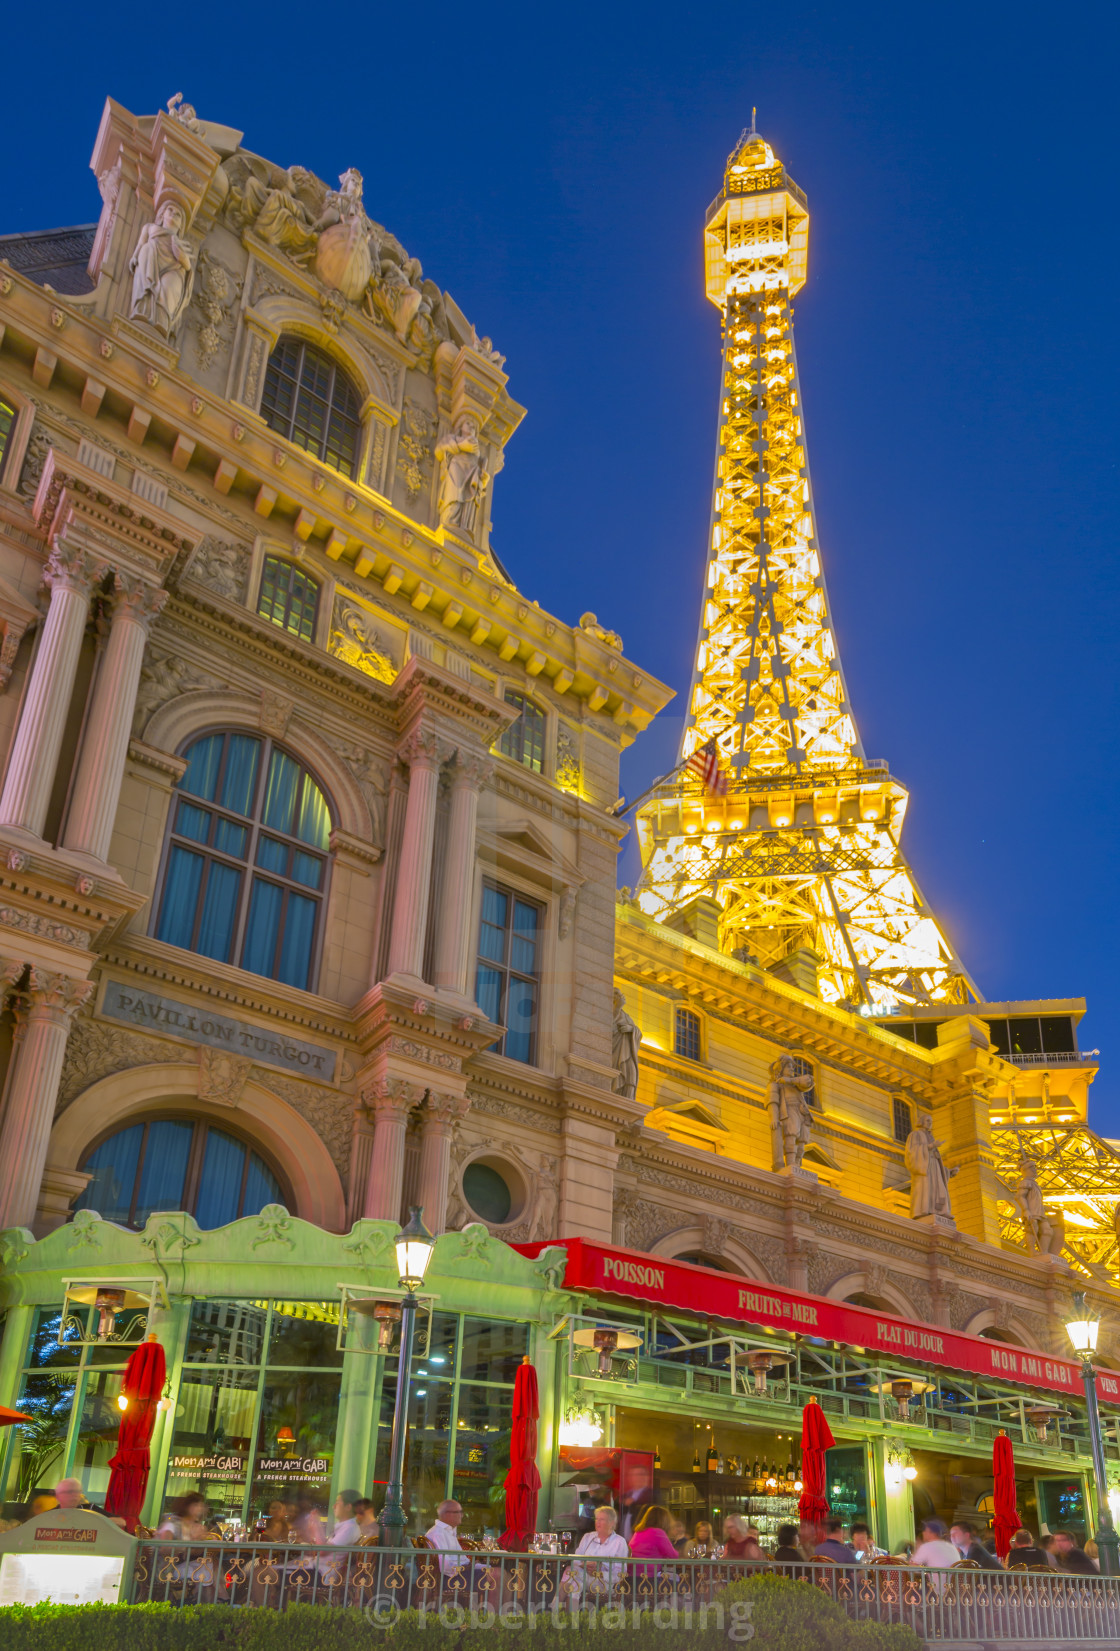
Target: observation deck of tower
{"x": 799, "y": 866}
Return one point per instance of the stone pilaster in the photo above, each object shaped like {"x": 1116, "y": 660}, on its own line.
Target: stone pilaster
{"x": 36, "y": 1067}
{"x": 424, "y": 753}
{"x": 71, "y": 574}
{"x": 470, "y": 773}
{"x": 390, "y": 1100}
{"x": 441, "y": 1113}
{"x": 97, "y": 785}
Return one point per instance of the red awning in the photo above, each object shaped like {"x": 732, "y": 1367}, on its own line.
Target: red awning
{"x": 638, "y": 1276}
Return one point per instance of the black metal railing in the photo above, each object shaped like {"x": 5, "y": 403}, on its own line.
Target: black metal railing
{"x": 965, "y": 1603}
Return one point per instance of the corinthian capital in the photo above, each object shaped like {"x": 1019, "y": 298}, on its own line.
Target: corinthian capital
{"x": 136, "y": 599}
{"x": 472, "y": 769}
{"x": 423, "y": 747}
{"x": 61, "y": 994}
{"x": 443, "y": 1110}
{"x": 392, "y": 1097}
{"x": 72, "y": 567}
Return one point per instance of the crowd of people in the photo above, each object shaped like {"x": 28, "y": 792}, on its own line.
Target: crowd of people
{"x": 658, "y": 1534}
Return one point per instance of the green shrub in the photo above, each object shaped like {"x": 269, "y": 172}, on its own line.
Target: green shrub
{"x": 798, "y": 1616}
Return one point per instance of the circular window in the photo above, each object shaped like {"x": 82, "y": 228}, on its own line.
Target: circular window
{"x": 487, "y": 1192}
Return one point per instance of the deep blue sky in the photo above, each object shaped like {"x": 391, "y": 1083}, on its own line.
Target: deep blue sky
{"x": 957, "y": 343}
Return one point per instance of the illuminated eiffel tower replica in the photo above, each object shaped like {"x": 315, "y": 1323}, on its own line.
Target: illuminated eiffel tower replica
{"x": 798, "y": 867}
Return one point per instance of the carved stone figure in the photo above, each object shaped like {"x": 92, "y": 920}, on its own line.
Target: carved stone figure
{"x": 355, "y": 639}
{"x": 273, "y": 207}
{"x": 1028, "y": 1196}
{"x": 463, "y": 477}
{"x": 185, "y": 113}
{"x": 625, "y": 1038}
{"x": 163, "y": 271}
{"x": 791, "y": 1117}
{"x": 344, "y": 257}
{"x": 224, "y": 567}
{"x": 215, "y": 290}
{"x": 396, "y": 291}
{"x": 591, "y": 625}
{"x": 929, "y": 1179}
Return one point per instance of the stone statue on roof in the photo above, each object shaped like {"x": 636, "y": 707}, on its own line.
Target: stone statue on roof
{"x": 162, "y": 271}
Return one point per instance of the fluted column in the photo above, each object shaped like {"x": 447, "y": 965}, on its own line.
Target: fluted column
{"x": 453, "y": 919}
{"x": 93, "y": 807}
{"x": 441, "y": 1114}
{"x": 33, "y": 1091}
{"x": 31, "y": 768}
{"x": 424, "y": 753}
{"x": 390, "y": 1100}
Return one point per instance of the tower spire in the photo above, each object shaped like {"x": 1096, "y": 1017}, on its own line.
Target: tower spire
{"x": 802, "y": 855}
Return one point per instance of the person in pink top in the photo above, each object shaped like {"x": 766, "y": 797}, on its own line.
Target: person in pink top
{"x": 651, "y": 1539}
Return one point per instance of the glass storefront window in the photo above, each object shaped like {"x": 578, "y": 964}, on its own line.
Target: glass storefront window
{"x": 482, "y": 1454}
{"x": 295, "y": 1443}
{"x": 214, "y": 1421}
{"x": 492, "y": 1350}
{"x": 303, "y": 1334}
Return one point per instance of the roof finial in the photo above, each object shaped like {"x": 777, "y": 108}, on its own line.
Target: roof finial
{"x": 754, "y": 113}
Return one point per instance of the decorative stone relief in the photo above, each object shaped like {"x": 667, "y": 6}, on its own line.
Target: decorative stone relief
{"x": 39, "y": 923}
{"x": 273, "y": 1224}
{"x": 567, "y": 912}
{"x": 356, "y": 640}
{"x": 35, "y": 458}
{"x": 95, "y": 1049}
{"x": 163, "y": 677}
{"x": 329, "y": 1113}
{"x": 495, "y": 1106}
{"x": 216, "y": 292}
{"x": 591, "y": 625}
{"x": 415, "y": 451}
{"x": 568, "y": 772}
{"x": 223, "y": 567}
{"x": 221, "y": 1077}
{"x": 371, "y": 776}
{"x": 276, "y": 713}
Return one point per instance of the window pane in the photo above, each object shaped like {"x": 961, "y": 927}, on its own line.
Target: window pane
{"x": 494, "y": 907}
{"x": 520, "y": 1014}
{"x": 113, "y": 1166}
{"x": 263, "y": 927}
{"x": 488, "y": 992}
{"x": 304, "y": 1334}
{"x": 299, "y": 934}
{"x": 280, "y": 792}
{"x": 226, "y": 1332}
{"x": 314, "y": 823}
{"x": 165, "y": 1168}
{"x": 7, "y": 420}
{"x": 482, "y": 1455}
{"x": 492, "y": 1350}
{"x": 492, "y": 943}
{"x": 261, "y": 1187}
{"x": 219, "y": 912}
{"x": 273, "y": 856}
{"x": 219, "y": 1191}
{"x": 203, "y": 761}
{"x": 307, "y": 869}
{"x": 487, "y": 1193}
{"x": 297, "y": 1427}
{"x": 240, "y": 778}
{"x": 180, "y": 897}
{"x": 213, "y": 1436}
{"x": 230, "y": 838}
{"x": 193, "y": 822}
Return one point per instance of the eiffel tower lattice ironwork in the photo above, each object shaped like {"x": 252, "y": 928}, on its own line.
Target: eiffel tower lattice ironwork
{"x": 801, "y": 859}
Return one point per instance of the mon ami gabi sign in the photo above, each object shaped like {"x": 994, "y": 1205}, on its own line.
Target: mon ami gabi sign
{"x": 641, "y": 1277}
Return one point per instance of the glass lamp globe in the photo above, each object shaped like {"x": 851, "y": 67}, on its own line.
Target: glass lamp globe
{"x": 1082, "y": 1329}
{"x": 414, "y": 1246}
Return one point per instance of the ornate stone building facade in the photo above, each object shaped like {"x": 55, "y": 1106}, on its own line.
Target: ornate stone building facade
{"x": 306, "y": 846}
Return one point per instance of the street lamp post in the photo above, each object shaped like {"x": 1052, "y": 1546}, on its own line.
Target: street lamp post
{"x": 414, "y": 1246}
{"x": 1082, "y": 1332}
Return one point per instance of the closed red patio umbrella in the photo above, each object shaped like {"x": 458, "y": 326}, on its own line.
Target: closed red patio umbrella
{"x": 816, "y": 1438}
{"x": 7, "y": 1417}
{"x": 523, "y": 1481}
{"x": 144, "y": 1376}
{"x": 1004, "y": 1500}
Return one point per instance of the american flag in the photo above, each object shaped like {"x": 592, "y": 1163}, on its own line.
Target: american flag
{"x": 705, "y": 762}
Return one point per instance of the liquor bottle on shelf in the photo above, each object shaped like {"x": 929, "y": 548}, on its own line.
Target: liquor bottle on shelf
{"x": 713, "y": 1458}
{"x": 755, "y": 1474}
{"x": 696, "y": 1468}
{"x": 789, "y": 1469}
{"x": 657, "y": 1456}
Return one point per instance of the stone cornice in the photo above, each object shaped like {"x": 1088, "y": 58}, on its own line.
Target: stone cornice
{"x": 75, "y": 505}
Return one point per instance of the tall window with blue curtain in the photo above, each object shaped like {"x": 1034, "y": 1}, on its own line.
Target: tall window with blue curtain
{"x": 523, "y": 740}
{"x": 246, "y": 867}
{"x": 176, "y": 1164}
{"x": 507, "y": 985}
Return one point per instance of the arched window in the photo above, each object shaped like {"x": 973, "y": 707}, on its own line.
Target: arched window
{"x": 311, "y": 401}
{"x": 686, "y": 1034}
{"x": 246, "y": 866}
{"x": 903, "y": 1121}
{"x": 7, "y": 425}
{"x": 288, "y": 597}
{"x": 177, "y": 1164}
{"x": 523, "y": 740}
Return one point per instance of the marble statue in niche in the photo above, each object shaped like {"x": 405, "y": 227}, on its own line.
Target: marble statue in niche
{"x": 463, "y": 476}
